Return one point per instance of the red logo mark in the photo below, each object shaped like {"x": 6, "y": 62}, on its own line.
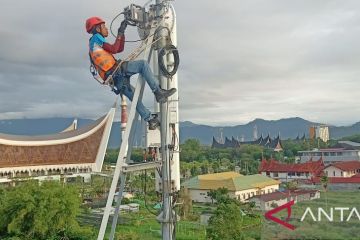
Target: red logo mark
{"x": 269, "y": 215}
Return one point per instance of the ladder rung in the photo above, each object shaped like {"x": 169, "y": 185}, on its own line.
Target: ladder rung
{"x": 141, "y": 166}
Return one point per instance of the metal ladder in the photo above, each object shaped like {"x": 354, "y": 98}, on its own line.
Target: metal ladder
{"x": 122, "y": 168}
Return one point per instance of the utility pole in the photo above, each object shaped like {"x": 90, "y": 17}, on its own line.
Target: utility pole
{"x": 167, "y": 217}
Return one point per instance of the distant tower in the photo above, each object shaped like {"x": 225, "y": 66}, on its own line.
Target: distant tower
{"x": 75, "y": 124}
{"x": 221, "y": 140}
{"x": 124, "y": 117}
{"x": 255, "y": 132}
{"x": 242, "y": 138}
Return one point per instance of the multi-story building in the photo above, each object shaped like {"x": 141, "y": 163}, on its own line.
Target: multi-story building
{"x": 321, "y": 132}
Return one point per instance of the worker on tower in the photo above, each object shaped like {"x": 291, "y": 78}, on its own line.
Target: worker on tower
{"x": 101, "y": 57}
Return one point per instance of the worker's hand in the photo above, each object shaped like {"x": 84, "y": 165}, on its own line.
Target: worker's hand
{"x": 122, "y": 27}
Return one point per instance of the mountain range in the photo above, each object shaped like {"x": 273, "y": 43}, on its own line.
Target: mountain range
{"x": 287, "y": 128}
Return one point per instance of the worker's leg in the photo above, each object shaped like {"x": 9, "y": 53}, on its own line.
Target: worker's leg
{"x": 143, "y": 68}
{"x": 141, "y": 109}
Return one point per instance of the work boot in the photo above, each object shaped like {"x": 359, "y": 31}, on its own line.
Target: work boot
{"x": 161, "y": 95}
{"x": 154, "y": 123}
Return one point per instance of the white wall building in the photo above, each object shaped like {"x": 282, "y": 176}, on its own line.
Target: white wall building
{"x": 343, "y": 169}
{"x": 239, "y": 187}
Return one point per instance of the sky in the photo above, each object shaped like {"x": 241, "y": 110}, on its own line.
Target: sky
{"x": 239, "y": 60}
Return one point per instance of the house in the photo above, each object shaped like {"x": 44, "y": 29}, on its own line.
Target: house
{"x": 272, "y": 200}
{"x": 343, "y": 169}
{"x": 239, "y": 187}
{"x": 288, "y": 172}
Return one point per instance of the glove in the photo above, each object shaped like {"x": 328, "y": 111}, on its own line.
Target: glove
{"x": 122, "y": 27}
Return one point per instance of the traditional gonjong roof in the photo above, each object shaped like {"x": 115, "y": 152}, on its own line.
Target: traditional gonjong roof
{"x": 267, "y": 142}
{"x": 233, "y": 143}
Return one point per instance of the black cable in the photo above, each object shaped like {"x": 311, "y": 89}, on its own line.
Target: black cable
{"x": 172, "y": 49}
{"x": 122, "y": 13}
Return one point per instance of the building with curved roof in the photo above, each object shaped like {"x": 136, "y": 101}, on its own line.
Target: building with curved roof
{"x": 70, "y": 152}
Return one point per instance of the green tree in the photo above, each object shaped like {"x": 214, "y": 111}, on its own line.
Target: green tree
{"x": 324, "y": 182}
{"x": 190, "y": 150}
{"x": 29, "y": 211}
{"x": 220, "y": 195}
{"x": 226, "y": 223}
{"x": 186, "y": 206}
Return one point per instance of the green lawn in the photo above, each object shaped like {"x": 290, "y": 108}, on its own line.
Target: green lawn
{"x": 308, "y": 229}
{"x": 143, "y": 225}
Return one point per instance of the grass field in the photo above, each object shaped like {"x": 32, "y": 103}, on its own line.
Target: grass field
{"x": 324, "y": 229}
{"x": 143, "y": 225}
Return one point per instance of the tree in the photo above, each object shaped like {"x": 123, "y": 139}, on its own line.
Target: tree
{"x": 220, "y": 195}
{"x": 186, "y": 206}
{"x": 291, "y": 185}
{"x": 29, "y": 211}
{"x": 324, "y": 182}
{"x": 226, "y": 223}
{"x": 190, "y": 150}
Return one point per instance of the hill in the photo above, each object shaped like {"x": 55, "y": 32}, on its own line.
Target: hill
{"x": 288, "y": 128}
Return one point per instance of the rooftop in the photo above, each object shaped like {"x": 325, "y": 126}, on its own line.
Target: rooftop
{"x": 346, "y": 166}
{"x": 272, "y": 165}
{"x": 327, "y": 150}
{"x": 354, "y": 144}
{"x": 230, "y": 180}
{"x": 282, "y": 195}
{"x": 353, "y": 179}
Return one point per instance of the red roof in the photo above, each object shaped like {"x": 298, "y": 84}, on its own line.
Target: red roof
{"x": 314, "y": 167}
{"x": 282, "y": 195}
{"x": 347, "y": 166}
{"x": 352, "y": 179}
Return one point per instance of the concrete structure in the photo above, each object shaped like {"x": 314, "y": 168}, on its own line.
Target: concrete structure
{"x": 330, "y": 155}
{"x": 63, "y": 155}
{"x": 272, "y": 200}
{"x": 343, "y": 169}
{"x": 321, "y": 132}
{"x": 240, "y": 187}
{"x": 289, "y": 172}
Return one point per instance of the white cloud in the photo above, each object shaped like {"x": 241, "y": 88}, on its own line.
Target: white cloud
{"x": 240, "y": 60}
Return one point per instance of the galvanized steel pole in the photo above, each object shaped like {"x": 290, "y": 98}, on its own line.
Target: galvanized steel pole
{"x": 166, "y": 217}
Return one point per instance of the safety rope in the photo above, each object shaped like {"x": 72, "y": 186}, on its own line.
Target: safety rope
{"x": 109, "y": 80}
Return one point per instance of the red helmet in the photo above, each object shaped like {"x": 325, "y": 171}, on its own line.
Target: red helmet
{"x": 92, "y": 22}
